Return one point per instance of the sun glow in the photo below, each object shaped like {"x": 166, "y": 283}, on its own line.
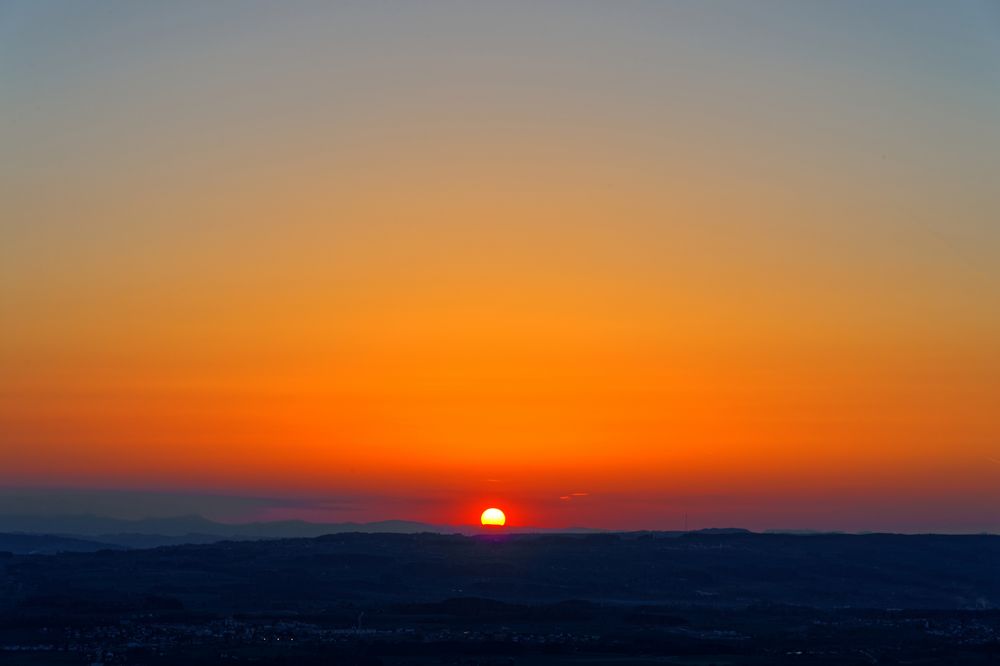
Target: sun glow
{"x": 494, "y": 517}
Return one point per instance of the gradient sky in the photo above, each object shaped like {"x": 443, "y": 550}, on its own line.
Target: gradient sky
{"x": 596, "y": 263}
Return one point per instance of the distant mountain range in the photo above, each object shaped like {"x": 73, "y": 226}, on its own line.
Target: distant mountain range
{"x": 48, "y": 544}
{"x": 87, "y": 532}
{"x": 23, "y": 533}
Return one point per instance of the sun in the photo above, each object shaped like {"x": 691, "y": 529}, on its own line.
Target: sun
{"x": 493, "y": 517}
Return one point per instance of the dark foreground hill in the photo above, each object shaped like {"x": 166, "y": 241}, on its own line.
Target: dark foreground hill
{"x": 348, "y": 596}
{"x": 823, "y": 571}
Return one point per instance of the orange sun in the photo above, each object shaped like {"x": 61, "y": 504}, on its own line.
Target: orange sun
{"x": 493, "y": 517}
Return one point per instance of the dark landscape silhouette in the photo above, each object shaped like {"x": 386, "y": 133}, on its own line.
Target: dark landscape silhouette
{"x": 716, "y": 596}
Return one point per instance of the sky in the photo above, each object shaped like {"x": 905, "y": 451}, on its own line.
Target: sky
{"x": 600, "y": 264}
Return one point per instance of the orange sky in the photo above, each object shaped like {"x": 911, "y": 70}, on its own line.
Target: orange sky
{"x": 504, "y": 256}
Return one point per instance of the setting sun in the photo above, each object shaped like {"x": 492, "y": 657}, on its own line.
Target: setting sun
{"x": 493, "y": 517}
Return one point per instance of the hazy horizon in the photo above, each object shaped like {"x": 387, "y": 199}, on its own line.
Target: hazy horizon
{"x": 234, "y": 510}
